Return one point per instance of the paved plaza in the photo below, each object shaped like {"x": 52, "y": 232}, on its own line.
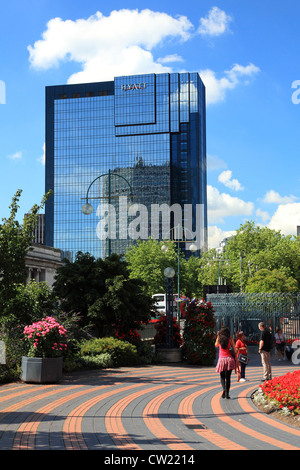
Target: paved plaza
{"x": 167, "y": 407}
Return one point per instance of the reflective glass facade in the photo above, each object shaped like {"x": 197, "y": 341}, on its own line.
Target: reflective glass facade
{"x": 134, "y": 140}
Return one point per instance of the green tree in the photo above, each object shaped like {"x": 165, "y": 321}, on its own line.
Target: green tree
{"x": 28, "y": 304}
{"x": 254, "y": 248}
{"x": 122, "y": 307}
{"x": 102, "y": 292}
{"x": 15, "y": 240}
{"x": 276, "y": 280}
{"x": 78, "y": 284}
{"x": 147, "y": 261}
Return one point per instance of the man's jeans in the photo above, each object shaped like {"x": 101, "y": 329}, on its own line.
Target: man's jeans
{"x": 265, "y": 360}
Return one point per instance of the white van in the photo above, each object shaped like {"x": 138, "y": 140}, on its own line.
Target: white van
{"x": 160, "y": 303}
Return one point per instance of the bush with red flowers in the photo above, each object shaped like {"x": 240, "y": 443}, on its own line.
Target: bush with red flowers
{"x": 283, "y": 392}
{"x": 131, "y": 336}
{"x": 160, "y": 337}
{"x": 199, "y": 335}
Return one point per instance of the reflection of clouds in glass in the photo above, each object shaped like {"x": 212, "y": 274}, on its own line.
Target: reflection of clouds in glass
{"x": 2, "y": 92}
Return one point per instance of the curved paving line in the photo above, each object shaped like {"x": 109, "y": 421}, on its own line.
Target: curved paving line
{"x": 25, "y": 435}
{"x": 242, "y": 428}
{"x": 154, "y": 424}
{"x": 21, "y": 404}
{"x": 186, "y": 414}
{"x": 24, "y": 392}
{"x": 72, "y": 428}
{"x": 182, "y": 378}
{"x": 114, "y": 424}
{"x": 250, "y": 408}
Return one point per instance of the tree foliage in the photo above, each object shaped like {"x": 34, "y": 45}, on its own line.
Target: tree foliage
{"x": 252, "y": 249}
{"x": 102, "y": 292}
{"x": 275, "y": 280}
{"x": 15, "y": 240}
{"x": 147, "y": 261}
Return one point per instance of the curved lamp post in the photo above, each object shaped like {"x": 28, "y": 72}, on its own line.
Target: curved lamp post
{"x": 87, "y": 208}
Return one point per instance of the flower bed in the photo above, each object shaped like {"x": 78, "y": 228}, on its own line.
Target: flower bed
{"x": 281, "y": 394}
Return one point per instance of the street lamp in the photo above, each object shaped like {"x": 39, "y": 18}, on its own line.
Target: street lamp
{"x": 87, "y": 208}
{"x": 169, "y": 274}
{"x": 192, "y": 247}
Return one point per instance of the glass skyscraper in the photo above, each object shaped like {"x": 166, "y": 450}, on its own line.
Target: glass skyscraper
{"x": 133, "y": 145}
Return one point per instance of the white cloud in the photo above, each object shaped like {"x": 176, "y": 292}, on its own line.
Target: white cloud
{"x": 226, "y": 178}
{"x": 170, "y": 58}
{"x": 264, "y": 215}
{"x": 220, "y": 205}
{"x": 286, "y": 218}
{"x": 16, "y": 156}
{"x": 216, "y": 235}
{"x": 216, "y": 88}
{"x": 215, "y": 23}
{"x": 214, "y": 162}
{"x": 42, "y": 158}
{"x": 108, "y": 46}
{"x": 274, "y": 197}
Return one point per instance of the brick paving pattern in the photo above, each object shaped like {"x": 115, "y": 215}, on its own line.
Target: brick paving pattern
{"x": 155, "y": 408}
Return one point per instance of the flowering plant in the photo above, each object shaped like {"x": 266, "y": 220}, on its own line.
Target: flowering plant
{"x": 199, "y": 336}
{"x": 46, "y": 338}
{"x": 283, "y": 392}
{"x": 131, "y": 336}
{"x": 160, "y": 337}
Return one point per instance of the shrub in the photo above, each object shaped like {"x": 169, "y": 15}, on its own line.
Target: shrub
{"x": 199, "y": 336}
{"x": 122, "y": 353}
{"x": 101, "y": 361}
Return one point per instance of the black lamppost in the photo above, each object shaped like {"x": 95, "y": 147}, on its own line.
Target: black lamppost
{"x": 87, "y": 209}
{"x": 169, "y": 274}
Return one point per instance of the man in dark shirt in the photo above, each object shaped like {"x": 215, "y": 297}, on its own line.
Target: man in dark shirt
{"x": 265, "y": 346}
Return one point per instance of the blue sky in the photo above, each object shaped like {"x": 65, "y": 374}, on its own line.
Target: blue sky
{"x": 247, "y": 53}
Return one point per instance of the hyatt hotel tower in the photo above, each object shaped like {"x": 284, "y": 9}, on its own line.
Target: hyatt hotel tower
{"x": 117, "y": 152}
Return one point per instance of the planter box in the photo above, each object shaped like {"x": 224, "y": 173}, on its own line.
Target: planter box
{"x": 170, "y": 354}
{"x": 41, "y": 370}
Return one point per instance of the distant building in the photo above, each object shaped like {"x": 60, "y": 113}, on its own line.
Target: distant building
{"x": 142, "y": 134}
{"x": 42, "y": 262}
{"x": 39, "y": 230}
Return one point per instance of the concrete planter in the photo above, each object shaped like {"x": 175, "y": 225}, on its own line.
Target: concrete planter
{"x": 41, "y": 370}
{"x": 170, "y": 354}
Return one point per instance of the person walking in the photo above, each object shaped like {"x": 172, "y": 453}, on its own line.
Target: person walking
{"x": 280, "y": 343}
{"x": 265, "y": 346}
{"x": 226, "y": 360}
{"x": 241, "y": 347}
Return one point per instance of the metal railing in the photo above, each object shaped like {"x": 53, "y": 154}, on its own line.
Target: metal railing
{"x": 245, "y": 311}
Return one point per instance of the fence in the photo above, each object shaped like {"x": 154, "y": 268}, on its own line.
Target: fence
{"x": 243, "y": 312}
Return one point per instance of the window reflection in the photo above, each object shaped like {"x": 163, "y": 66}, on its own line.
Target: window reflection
{"x": 149, "y": 129}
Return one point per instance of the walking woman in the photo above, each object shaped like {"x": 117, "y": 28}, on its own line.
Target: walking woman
{"x": 226, "y": 362}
